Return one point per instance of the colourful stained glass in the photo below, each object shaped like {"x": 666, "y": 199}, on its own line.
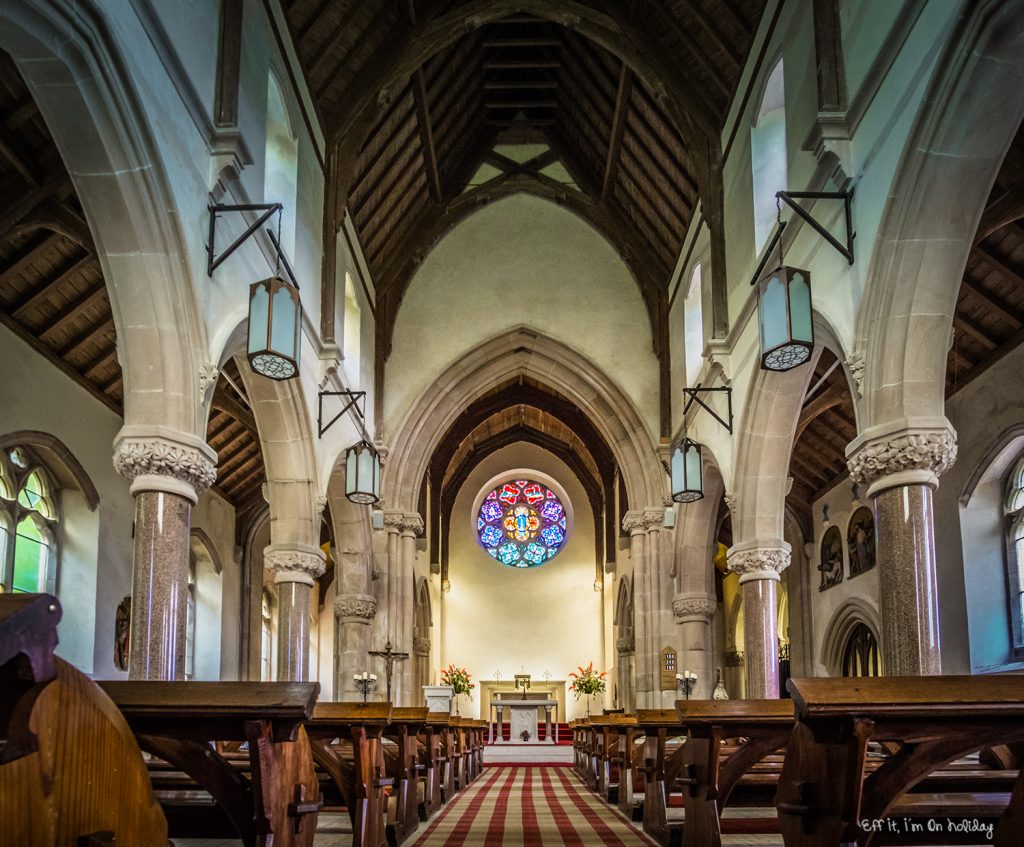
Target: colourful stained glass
{"x": 522, "y": 524}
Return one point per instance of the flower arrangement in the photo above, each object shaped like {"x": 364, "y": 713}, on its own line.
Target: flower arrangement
{"x": 587, "y": 682}
{"x": 458, "y": 678}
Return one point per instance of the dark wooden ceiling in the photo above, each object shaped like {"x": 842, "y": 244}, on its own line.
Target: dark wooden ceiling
{"x": 52, "y": 292}
{"x": 826, "y": 426}
{"x": 989, "y": 318}
{"x": 519, "y": 79}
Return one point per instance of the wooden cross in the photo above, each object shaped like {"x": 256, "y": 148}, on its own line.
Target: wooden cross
{"x": 390, "y": 657}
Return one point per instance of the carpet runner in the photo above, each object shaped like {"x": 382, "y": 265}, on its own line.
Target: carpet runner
{"x": 523, "y": 806}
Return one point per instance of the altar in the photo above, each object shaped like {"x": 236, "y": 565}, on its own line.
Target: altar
{"x": 524, "y": 716}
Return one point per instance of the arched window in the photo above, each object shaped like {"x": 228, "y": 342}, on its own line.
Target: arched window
{"x": 28, "y": 524}
{"x": 281, "y": 167}
{"x": 352, "y": 330}
{"x": 768, "y": 156}
{"x": 190, "y": 620}
{"x": 693, "y": 327}
{"x": 1014, "y": 508}
{"x": 860, "y": 658}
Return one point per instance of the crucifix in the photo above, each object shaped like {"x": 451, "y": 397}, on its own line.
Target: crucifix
{"x": 390, "y": 657}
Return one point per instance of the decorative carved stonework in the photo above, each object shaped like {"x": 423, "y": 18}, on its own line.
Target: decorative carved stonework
{"x": 321, "y": 504}
{"x": 759, "y": 563}
{"x": 208, "y": 374}
{"x": 693, "y": 607}
{"x": 730, "y": 503}
{"x": 634, "y": 520}
{"x": 734, "y": 658}
{"x": 653, "y": 518}
{"x": 135, "y": 457}
{"x": 625, "y": 644}
{"x": 855, "y": 366}
{"x": 403, "y": 521}
{"x": 421, "y": 646}
{"x": 933, "y": 451}
{"x": 355, "y": 608}
{"x": 294, "y": 565}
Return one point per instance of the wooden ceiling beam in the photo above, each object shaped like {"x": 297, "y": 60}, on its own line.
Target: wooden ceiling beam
{"x": 830, "y": 397}
{"x": 51, "y": 285}
{"x": 27, "y": 201}
{"x": 712, "y": 31}
{"x": 521, "y": 84}
{"x": 521, "y": 42}
{"x": 993, "y": 305}
{"x": 314, "y": 20}
{"x": 240, "y": 472}
{"x": 373, "y": 198}
{"x": 101, "y": 361}
{"x": 327, "y": 51}
{"x": 18, "y": 155}
{"x": 976, "y": 332}
{"x": 998, "y": 263}
{"x": 520, "y": 104}
{"x": 27, "y": 255}
{"x": 90, "y": 297}
{"x": 225, "y": 401}
{"x": 102, "y": 330}
{"x": 254, "y": 479}
{"x": 240, "y": 445}
{"x": 739, "y": 19}
{"x": 622, "y": 96}
{"x": 1005, "y": 209}
{"x": 521, "y": 64}
{"x": 433, "y": 174}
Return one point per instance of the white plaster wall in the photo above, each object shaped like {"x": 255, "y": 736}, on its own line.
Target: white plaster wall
{"x": 971, "y": 558}
{"x": 500, "y": 618}
{"x": 43, "y": 398}
{"x": 865, "y": 586}
{"x": 208, "y": 594}
{"x": 522, "y": 261}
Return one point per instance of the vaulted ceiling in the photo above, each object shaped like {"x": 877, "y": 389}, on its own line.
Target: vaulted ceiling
{"x": 426, "y": 100}
{"x": 989, "y": 318}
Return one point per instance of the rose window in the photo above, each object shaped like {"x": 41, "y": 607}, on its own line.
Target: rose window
{"x": 521, "y": 524}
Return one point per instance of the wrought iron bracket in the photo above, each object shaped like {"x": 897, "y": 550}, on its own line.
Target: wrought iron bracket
{"x": 354, "y": 398}
{"x": 213, "y": 261}
{"x": 790, "y": 198}
{"x": 694, "y": 397}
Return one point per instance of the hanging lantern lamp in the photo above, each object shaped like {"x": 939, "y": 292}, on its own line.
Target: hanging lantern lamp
{"x": 784, "y": 308}
{"x": 362, "y": 474}
{"x": 687, "y": 472}
{"x": 275, "y": 321}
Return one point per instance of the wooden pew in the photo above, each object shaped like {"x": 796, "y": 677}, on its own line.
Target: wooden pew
{"x": 433, "y": 753}
{"x": 71, "y": 772}
{"x": 347, "y": 743}
{"x": 825, "y": 790}
{"x": 708, "y": 771}
{"x": 479, "y": 743}
{"x": 607, "y": 737}
{"x": 658, "y": 726}
{"x": 407, "y": 722}
{"x": 275, "y": 799}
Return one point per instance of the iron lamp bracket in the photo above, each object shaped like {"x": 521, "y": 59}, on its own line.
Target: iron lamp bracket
{"x": 845, "y": 249}
{"x": 268, "y": 210}
{"x": 355, "y": 399}
{"x": 693, "y": 396}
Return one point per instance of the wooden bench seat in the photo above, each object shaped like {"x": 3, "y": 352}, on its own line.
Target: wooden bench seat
{"x": 826, "y": 790}
{"x": 269, "y": 794}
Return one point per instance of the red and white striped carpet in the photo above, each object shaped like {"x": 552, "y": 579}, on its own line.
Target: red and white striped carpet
{"x": 527, "y": 805}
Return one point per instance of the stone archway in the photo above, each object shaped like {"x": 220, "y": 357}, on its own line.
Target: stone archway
{"x": 522, "y": 352}
{"x": 294, "y": 554}
{"x": 625, "y": 647}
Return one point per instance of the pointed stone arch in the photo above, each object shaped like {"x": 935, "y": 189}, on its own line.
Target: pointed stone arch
{"x": 936, "y": 200}
{"x": 522, "y": 352}
{"x": 83, "y": 88}
{"x": 854, "y": 611}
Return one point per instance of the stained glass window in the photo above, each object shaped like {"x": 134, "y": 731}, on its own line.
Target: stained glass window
{"x": 28, "y": 524}
{"x": 522, "y": 524}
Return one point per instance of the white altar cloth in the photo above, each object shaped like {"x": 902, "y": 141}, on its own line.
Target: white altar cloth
{"x": 523, "y": 717}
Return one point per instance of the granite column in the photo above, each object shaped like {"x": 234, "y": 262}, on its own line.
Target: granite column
{"x": 901, "y": 466}
{"x": 168, "y": 471}
{"x": 295, "y": 566}
{"x": 758, "y": 566}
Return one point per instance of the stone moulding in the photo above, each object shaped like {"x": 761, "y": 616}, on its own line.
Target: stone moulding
{"x": 158, "y": 463}
{"x": 403, "y": 521}
{"x": 924, "y": 453}
{"x": 759, "y": 563}
{"x": 355, "y": 608}
{"x": 693, "y": 607}
{"x": 292, "y": 564}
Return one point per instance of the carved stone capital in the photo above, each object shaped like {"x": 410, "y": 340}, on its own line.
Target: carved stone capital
{"x": 165, "y": 460}
{"x": 355, "y": 608}
{"x": 208, "y": 374}
{"x": 403, "y": 521}
{"x": 421, "y": 646}
{"x": 693, "y": 607}
{"x": 294, "y": 562}
{"x": 752, "y": 563}
{"x": 321, "y": 504}
{"x": 855, "y": 366}
{"x": 634, "y": 521}
{"x": 905, "y": 456}
{"x": 626, "y": 643}
{"x": 653, "y": 518}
